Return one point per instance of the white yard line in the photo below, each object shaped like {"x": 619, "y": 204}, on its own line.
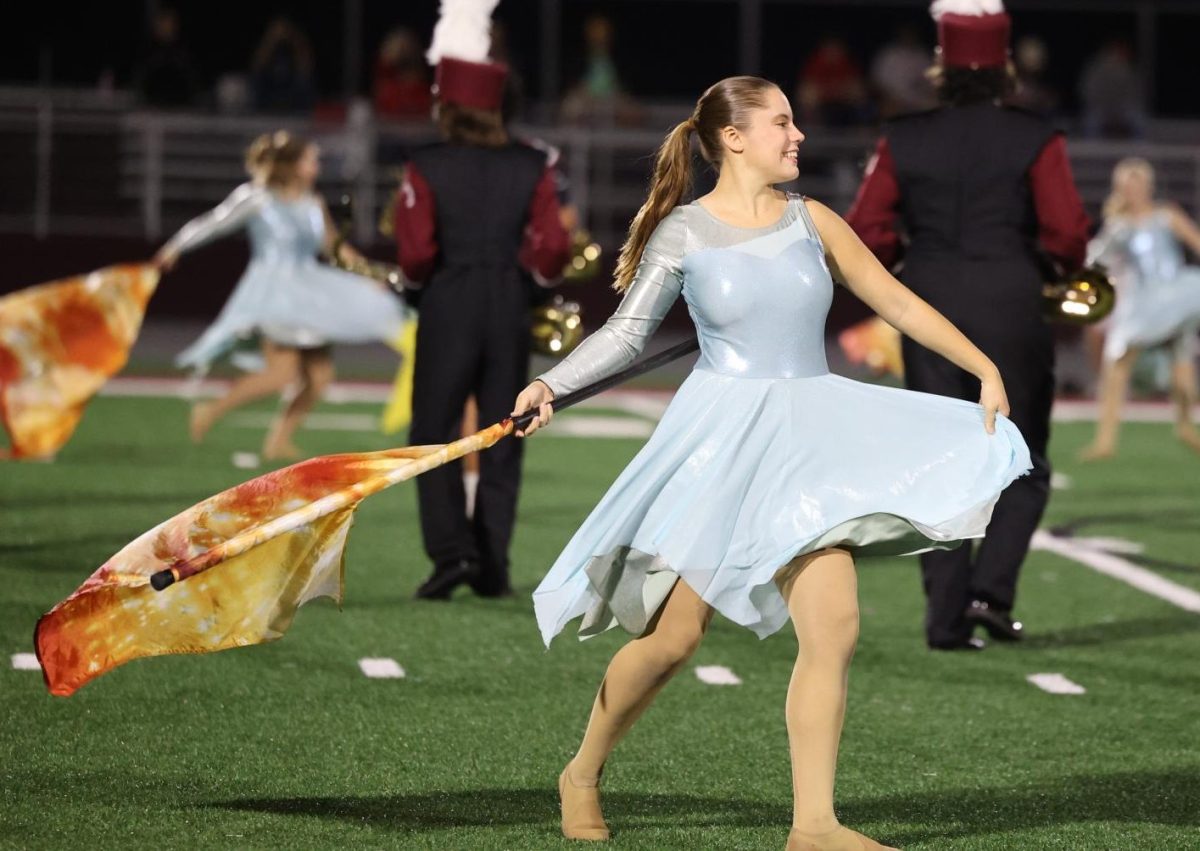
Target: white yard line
{"x": 717, "y": 675}
{"x": 1084, "y": 410}
{"x": 381, "y": 668}
{"x": 1056, "y": 684}
{"x": 570, "y": 425}
{"x": 649, "y": 404}
{"x": 1102, "y": 561}
{"x": 25, "y": 662}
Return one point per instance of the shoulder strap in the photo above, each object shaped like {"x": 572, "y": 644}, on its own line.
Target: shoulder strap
{"x": 802, "y": 202}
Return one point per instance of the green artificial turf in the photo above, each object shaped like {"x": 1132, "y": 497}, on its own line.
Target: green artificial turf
{"x": 288, "y": 745}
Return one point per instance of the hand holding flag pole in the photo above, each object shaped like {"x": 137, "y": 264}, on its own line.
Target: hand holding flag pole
{"x": 254, "y": 554}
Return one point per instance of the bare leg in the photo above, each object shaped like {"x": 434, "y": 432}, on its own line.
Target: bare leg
{"x": 636, "y": 674}
{"x": 280, "y": 370}
{"x": 1114, "y": 383}
{"x": 821, "y": 590}
{"x": 1183, "y": 392}
{"x": 316, "y": 374}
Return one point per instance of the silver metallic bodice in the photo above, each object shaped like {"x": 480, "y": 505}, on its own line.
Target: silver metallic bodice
{"x": 1141, "y": 252}
{"x": 758, "y": 298}
{"x": 281, "y": 231}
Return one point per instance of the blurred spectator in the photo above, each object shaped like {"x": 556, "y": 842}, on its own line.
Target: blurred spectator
{"x": 401, "y": 85}
{"x": 598, "y": 95}
{"x": 166, "y": 76}
{"x": 898, "y": 74}
{"x": 281, "y": 72}
{"x": 831, "y": 89}
{"x": 1111, "y": 91}
{"x": 1033, "y": 92}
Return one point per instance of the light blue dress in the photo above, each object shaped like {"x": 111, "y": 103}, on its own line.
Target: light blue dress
{"x": 762, "y": 455}
{"x": 1158, "y": 297}
{"x": 285, "y": 294}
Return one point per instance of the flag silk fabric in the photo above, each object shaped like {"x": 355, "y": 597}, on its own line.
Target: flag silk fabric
{"x": 243, "y": 561}
{"x": 59, "y": 343}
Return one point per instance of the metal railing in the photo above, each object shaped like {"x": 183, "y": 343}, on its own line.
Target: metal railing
{"x": 118, "y": 171}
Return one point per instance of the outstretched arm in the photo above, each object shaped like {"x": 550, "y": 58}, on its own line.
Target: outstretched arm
{"x": 655, "y": 287}
{"x": 226, "y": 217}
{"x": 1184, "y": 228}
{"x": 855, "y": 265}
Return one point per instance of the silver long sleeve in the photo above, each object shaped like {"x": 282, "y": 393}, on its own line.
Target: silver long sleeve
{"x": 623, "y": 337}
{"x": 226, "y": 217}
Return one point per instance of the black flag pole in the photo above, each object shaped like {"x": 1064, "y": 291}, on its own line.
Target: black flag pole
{"x": 642, "y": 366}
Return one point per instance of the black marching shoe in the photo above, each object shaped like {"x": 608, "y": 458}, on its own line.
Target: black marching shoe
{"x": 968, "y": 643}
{"x": 489, "y": 586}
{"x": 445, "y": 578}
{"x": 998, "y": 622}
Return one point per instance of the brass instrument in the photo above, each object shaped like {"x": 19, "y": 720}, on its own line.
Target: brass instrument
{"x": 557, "y": 327}
{"x": 1083, "y": 298}
{"x": 387, "y": 216}
{"x": 585, "y": 258}
{"x": 386, "y": 273}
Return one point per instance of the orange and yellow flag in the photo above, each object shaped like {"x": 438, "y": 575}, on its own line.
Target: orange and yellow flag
{"x": 59, "y": 343}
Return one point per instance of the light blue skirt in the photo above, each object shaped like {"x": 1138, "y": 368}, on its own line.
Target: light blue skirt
{"x": 742, "y": 475}
{"x": 301, "y": 304}
{"x": 1154, "y": 314}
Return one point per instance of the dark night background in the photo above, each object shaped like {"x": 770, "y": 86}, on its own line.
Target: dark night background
{"x": 667, "y": 49}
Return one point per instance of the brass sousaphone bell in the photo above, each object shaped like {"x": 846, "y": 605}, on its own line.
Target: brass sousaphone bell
{"x": 1083, "y": 298}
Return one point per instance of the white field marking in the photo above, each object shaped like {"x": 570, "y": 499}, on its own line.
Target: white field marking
{"x": 1119, "y": 546}
{"x": 313, "y": 422}
{"x": 643, "y": 403}
{"x": 582, "y": 425}
{"x": 1060, "y": 481}
{"x": 245, "y": 460}
{"x": 570, "y": 425}
{"x": 717, "y": 675}
{"x": 1113, "y": 565}
{"x": 381, "y": 669}
{"x": 1084, "y": 410}
{"x": 1056, "y": 684}
{"x": 25, "y": 662}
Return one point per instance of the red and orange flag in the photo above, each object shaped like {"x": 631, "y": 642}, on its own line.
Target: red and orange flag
{"x": 233, "y": 569}
{"x": 59, "y": 343}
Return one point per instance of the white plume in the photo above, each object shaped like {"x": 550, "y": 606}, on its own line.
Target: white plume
{"x": 463, "y": 31}
{"x": 965, "y": 7}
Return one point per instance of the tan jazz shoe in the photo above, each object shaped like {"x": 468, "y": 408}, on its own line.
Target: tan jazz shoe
{"x": 838, "y": 839}
{"x": 581, "y": 815}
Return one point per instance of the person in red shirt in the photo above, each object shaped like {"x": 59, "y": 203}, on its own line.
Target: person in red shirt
{"x": 400, "y": 87}
{"x": 978, "y": 200}
{"x": 477, "y": 219}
